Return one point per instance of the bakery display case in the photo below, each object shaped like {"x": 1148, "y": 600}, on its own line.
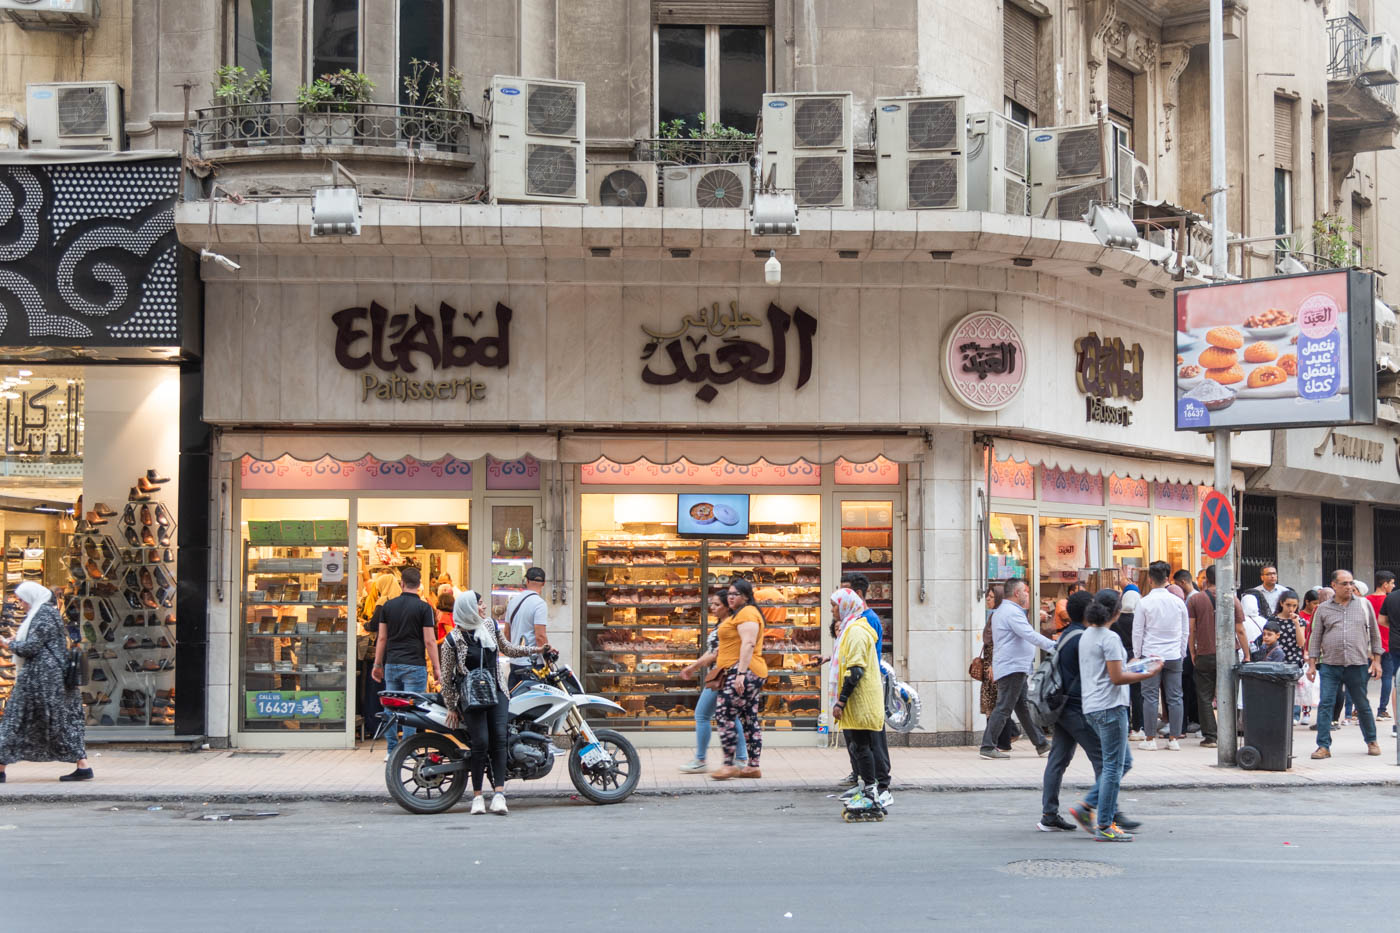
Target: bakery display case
{"x": 295, "y": 626}
{"x": 867, "y": 547}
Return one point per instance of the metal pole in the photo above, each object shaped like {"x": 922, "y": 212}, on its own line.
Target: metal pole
{"x": 1225, "y": 567}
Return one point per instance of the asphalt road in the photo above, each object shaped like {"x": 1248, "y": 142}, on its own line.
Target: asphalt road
{"x": 1207, "y": 860}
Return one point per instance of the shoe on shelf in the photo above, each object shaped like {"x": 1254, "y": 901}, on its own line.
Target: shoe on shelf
{"x": 146, "y": 486}
{"x": 1137, "y": 736}
{"x": 478, "y": 805}
{"x": 94, "y": 519}
{"x": 1114, "y": 833}
{"x": 1123, "y": 822}
{"x": 1321, "y": 753}
{"x": 154, "y": 476}
{"x": 1084, "y": 816}
{"x": 1149, "y": 746}
{"x": 1054, "y": 823}
{"x": 1373, "y": 748}
{"x": 103, "y": 509}
{"x": 695, "y": 766}
{"x": 1173, "y": 745}
{"x": 993, "y": 754}
{"x": 498, "y": 804}
{"x": 137, "y": 495}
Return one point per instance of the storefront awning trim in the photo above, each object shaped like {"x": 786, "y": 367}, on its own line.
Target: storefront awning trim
{"x": 1089, "y": 461}
{"x": 386, "y": 446}
{"x": 706, "y": 449}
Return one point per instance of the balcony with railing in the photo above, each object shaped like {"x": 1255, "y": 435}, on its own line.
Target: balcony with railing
{"x": 1361, "y": 106}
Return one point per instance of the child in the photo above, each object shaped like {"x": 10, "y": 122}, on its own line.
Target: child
{"x": 1104, "y": 699}
{"x": 1267, "y": 647}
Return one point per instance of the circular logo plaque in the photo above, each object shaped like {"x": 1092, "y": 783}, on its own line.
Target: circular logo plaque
{"x": 984, "y": 361}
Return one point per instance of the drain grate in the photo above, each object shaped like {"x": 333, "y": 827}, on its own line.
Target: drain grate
{"x": 1061, "y": 868}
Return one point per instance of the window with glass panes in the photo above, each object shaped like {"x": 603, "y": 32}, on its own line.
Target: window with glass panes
{"x": 421, "y": 39}
{"x": 335, "y": 36}
{"x": 720, "y": 71}
{"x": 252, "y": 31}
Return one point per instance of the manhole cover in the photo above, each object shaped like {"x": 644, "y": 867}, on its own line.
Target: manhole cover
{"x": 1061, "y": 868}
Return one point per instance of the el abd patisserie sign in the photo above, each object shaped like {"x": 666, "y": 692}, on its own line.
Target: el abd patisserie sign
{"x": 1285, "y": 352}
{"x": 984, "y": 361}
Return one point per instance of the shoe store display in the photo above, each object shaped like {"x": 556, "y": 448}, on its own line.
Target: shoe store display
{"x": 154, "y": 477}
{"x": 103, "y": 509}
{"x": 136, "y": 495}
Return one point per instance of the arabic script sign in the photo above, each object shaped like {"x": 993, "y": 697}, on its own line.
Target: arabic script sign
{"x": 43, "y": 418}
{"x": 984, "y": 361}
{"x": 397, "y": 344}
{"x": 689, "y": 352}
{"x": 1106, "y": 368}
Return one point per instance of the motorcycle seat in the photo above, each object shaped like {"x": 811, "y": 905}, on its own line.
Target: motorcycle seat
{"x": 435, "y": 698}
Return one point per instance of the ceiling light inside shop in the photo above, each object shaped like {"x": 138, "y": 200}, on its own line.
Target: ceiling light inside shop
{"x": 643, "y": 508}
{"x": 9, "y": 395}
{"x": 26, "y": 372}
{"x": 785, "y": 510}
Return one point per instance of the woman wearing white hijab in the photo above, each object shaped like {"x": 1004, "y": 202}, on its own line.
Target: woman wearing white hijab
{"x": 858, "y": 700}
{"x": 476, "y": 643}
{"x": 43, "y": 719}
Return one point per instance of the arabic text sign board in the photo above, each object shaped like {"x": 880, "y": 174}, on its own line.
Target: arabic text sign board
{"x": 1283, "y": 352}
{"x": 1217, "y": 525}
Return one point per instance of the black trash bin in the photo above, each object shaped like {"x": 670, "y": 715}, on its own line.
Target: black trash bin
{"x": 1268, "y": 688}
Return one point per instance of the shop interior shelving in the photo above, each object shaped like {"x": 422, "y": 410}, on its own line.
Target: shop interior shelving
{"x": 867, "y": 546}
{"x": 646, "y": 619}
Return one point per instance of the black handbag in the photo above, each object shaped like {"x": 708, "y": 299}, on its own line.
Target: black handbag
{"x": 478, "y": 686}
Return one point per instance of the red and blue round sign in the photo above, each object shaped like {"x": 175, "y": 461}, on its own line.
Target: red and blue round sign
{"x": 1217, "y": 525}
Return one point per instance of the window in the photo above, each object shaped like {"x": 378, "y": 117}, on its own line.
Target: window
{"x": 1360, "y": 219}
{"x": 1285, "y": 132}
{"x": 1020, "y": 63}
{"x": 1386, "y": 524}
{"x": 335, "y": 36}
{"x": 1338, "y": 536}
{"x": 1258, "y": 538}
{"x": 420, "y": 39}
{"x": 1283, "y": 206}
{"x": 720, "y": 71}
{"x": 252, "y": 32}
{"x": 1121, "y": 95}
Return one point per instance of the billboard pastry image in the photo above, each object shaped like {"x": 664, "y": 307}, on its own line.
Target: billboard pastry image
{"x": 1277, "y": 352}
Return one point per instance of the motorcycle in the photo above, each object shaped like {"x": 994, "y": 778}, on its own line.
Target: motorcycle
{"x": 429, "y": 770}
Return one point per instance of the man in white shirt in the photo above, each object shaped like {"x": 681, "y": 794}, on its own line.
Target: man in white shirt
{"x": 527, "y": 617}
{"x": 1268, "y": 592}
{"x": 1161, "y": 628}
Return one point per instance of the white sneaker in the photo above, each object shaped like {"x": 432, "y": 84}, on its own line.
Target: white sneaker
{"x": 478, "y": 805}
{"x": 1137, "y": 736}
{"x": 498, "y": 804}
{"x": 694, "y": 766}
{"x": 1173, "y": 745}
{"x": 1149, "y": 746}
{"x": 1306, "y": 720}
{"x": 885, "y": 799}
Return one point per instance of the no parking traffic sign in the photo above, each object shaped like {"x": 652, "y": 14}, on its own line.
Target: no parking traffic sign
{"x": 1217, "y": 525}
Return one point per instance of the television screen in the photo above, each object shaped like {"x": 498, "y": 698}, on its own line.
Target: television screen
{"x": 703, "y": 515}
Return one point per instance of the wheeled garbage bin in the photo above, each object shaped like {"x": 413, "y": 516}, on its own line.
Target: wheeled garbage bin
{"x": 1268, "y": 688}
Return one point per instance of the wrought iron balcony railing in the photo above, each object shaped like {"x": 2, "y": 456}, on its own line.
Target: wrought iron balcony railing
{"x": 694, "y": 151}
{"x": 1347, "y": 41}
{"x": 287, "y": 123}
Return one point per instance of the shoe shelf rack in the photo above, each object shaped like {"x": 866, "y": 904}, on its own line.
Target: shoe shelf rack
{"x": 646, "y": 618}
{"x": 11, "y": 613}
{"x": 122, "y": 564}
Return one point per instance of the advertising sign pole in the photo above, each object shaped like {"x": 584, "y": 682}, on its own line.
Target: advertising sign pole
{"x": 1219, "y": 261}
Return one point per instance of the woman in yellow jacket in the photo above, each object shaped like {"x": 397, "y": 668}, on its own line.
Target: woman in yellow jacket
{"x": 859, "y": 707}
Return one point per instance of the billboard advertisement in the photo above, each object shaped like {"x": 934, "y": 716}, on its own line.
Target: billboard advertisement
{"x": 1285, "y": 352}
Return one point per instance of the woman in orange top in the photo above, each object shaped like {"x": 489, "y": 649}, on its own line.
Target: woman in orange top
{"x": 741, "y": 657}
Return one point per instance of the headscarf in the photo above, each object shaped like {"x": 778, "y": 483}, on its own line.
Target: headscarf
{"x": 1253, "y": 621}
{"x": 851, "y": 608}
{"x": 1132, "y": 588}
{"x": 466, "y": 614}
{"x": 385, "y": 587}
{"x": 35, "y": 594}
{"x": 1176, "y": 591}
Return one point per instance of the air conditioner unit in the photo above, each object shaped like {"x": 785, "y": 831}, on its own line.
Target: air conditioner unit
{"x": 996, "y": 164}
{"x": 919, "y": 142}
{"x": 1381, "y": 62}
{"x": 537, "y": 141}
{"x": 58, "y": 15}
{"x": 1064, "y": 157}
{"x": 75, "y": 115}
{"x": 1139, "y": 186}
{"x": 622, "y": 184}
{"x": 807, "y": 138}
{"x": 712, "y": 186}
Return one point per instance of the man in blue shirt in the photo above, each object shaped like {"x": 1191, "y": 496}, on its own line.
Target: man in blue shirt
{"x": 879, "y": 744}
{"x": 1013, "y": 653}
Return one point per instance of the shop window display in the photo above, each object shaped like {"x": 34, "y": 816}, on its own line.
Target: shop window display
{"x": 867, "y": 546}
{"x": 1008, "y": 550}
{"x": 512, "y": 553}
{"x": 1130, "y": 544}
{"x": 1071, "y": 551}
{"x": 645, "y": 616}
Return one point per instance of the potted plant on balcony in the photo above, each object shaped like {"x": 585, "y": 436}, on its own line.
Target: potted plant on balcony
{"x": 439, "y": 124}
{"x": 330, "y": 105}
{"x": 243, "y": 97}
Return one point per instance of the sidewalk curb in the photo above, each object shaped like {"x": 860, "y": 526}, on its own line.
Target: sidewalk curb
{"x": 713, "y": 789}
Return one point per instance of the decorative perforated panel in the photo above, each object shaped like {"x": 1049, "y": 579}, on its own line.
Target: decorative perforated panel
{"x": 88, "y": 254}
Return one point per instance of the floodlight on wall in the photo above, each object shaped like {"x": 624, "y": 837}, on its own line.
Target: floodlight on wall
{"x": 772, "y": 269}
{"x": 773, "y": 214}
{"x": 335, "y": 211}
{"x": 1112, "y": 226}
{"x": 207, "y": 254}
{"x": 1290, "y": 266}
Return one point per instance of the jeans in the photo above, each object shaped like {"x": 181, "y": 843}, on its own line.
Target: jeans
{"x": 1111, "y": 726}
{"x": 1387, "y": 679}
{"x": 411, "y": 678}
{"x": 486, "y": 731}
{"x": 1205, "y": 695}
{"x": 704, "y": 711}
{"x": 1011, "y": 694}
{"x": 1170, "y": 676}
{"x": 1071, "y": 730}
{"x": 1354, "y": 678}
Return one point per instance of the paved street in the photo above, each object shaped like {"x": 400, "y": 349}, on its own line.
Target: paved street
{"x": 941, "y": 861}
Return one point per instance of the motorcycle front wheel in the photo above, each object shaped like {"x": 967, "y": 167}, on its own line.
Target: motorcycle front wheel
{"x": 611, "y": 780}
{"x": 416, "y": 792}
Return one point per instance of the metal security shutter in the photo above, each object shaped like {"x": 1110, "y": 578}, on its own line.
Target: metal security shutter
{"x": 1284, "y": 132}
{"x": 1120, "y": 90}
{"x": 1386, "y": 523}
{"x": 1019, "y": 34}
{"x": 1258, "y": 538}
{"x": 1338, "y": 538}
{"x": 712, "y": 12}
